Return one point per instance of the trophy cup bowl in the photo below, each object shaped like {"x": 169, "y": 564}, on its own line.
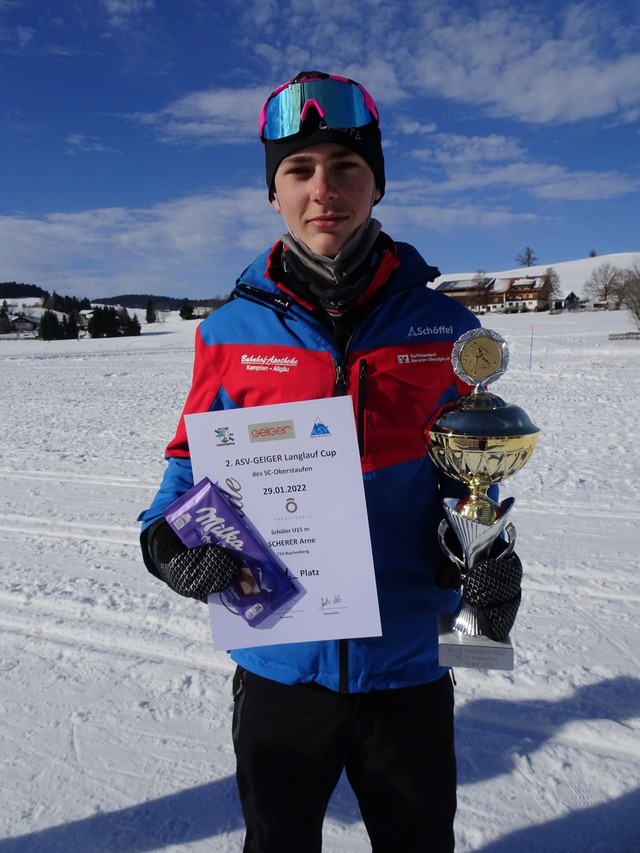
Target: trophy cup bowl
{"x": 478, "y": 440}
{"x": 481, "y": 440}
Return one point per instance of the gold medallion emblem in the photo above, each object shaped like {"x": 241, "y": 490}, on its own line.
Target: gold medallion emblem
{"x": 480, "y": 356}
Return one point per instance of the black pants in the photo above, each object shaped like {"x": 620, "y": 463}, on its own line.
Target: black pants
{"x": 396, "y": 746}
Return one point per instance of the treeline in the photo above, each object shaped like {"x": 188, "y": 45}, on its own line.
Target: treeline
{"x": 15, "y": 290}
{"x": 70, "y": 304}
{"x": 64, "y": 316}
{"x": 109, "y": 323}
{"x": 51, "y": 301}
{"x": 160, "y": 303}
{"x": 103, "y": 323}
{"x": 65, "y": 304}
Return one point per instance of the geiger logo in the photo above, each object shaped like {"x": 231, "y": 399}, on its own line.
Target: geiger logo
{"x": 274, "y": 431}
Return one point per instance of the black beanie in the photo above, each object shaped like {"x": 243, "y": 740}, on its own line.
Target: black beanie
{"x": 365, "y": 141}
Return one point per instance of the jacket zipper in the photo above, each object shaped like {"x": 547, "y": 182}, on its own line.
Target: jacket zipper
{"x": 341, "y": 389}
{"x": 343, "y": 645}
{"x": 341, "y": 380}
{"x": 275, "y": 300}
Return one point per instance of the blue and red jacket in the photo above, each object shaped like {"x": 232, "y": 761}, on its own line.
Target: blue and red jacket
{"x": 398, "y": 371}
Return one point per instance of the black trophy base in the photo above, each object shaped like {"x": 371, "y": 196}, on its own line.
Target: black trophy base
{"x": 461, "y": 650}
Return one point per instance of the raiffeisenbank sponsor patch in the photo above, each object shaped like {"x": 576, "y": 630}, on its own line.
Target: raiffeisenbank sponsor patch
{"x": 271, "y": 431}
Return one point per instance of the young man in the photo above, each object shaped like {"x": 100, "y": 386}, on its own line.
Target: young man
{"x": 353, "y": 307}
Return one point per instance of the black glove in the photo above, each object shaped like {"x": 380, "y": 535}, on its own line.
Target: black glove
{"x": 493, "y": 586}
{"x": 192, "y": 572}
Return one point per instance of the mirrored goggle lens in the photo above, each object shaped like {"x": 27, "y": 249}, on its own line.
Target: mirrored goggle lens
{"x": 341, "y": 104}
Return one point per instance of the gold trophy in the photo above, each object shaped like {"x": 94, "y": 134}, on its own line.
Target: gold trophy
{"x": 479, "y": 440}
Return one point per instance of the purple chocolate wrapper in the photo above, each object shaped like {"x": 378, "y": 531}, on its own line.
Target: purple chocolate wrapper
{"x": 206, "y": 514}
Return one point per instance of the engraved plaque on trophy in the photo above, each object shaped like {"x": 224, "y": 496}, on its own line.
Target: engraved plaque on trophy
{"x": 479, "y": 440}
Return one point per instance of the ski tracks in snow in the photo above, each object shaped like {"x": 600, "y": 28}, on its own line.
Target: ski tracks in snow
{"x": 115, "y": 711}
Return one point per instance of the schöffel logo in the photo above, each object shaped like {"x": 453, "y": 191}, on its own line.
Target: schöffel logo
{"x": 274, "y": 431}
{"x": 429, "y": 331}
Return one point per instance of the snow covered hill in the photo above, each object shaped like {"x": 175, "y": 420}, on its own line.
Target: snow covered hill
{"x": 573, "y": 274}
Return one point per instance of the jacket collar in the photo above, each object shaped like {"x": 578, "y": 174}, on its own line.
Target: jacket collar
{"x": 401, "y": 267}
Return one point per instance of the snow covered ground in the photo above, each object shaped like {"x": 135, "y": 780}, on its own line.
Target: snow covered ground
{"x": 114, "y": 710}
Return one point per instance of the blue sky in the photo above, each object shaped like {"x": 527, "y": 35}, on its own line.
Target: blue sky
{"x": 130, "y": 162}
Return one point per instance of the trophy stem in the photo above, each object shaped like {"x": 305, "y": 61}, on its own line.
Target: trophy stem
{"x": 476, "y": 539}
{"x": 465, "y": 620}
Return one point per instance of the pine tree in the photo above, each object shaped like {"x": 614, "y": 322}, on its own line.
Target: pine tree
{"x": 72, "y": 326}
{"x": 186, "y": 311}
{"x": 112, "y": 323}
{"x": 95, "y": 324}
{"x": 5, "y": 322}
{"x": 132, "y": 326}
{"x": 49, "y": 328}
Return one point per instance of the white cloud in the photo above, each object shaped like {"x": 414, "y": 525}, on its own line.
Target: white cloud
{"x": 214, "y": 116}
{"x": 461, "y": 164}
{"x": 121, "y": 13}
{"x": 412, "y": 126}
{"x": 408, "y": 210}
{"x": 79, "y": 143}
{"x": 182, "y": 247}
{"x": 535, "y": 63}
{"x": 511, "y": 61}
{"x": 431, "y": 67}
{"x": 263, "y": 14}
{"x": 451, "y": 149}
{"x": 542, "y": 181}
{"x": 535, "y": 70}
{"x": 176, "y": 247}
{"x": 16, "y": 38}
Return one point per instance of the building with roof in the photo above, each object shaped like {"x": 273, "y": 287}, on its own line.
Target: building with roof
{"x": 482, "y": 294}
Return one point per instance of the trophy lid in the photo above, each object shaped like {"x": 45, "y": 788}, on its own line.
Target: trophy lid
{"x": 480, "y": 356}
{"x": 483, "y": 415}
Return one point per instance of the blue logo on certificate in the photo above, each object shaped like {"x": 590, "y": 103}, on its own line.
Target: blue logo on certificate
{"x": 319, "y": 428}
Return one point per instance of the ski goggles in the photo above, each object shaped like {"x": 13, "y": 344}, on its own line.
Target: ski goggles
{"x": 339, "y": 101}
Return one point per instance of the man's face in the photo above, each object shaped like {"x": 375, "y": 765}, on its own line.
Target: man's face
{"x": 324, "y": 193}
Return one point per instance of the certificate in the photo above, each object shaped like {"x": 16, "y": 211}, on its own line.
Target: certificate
{"x": 294, "y": 469}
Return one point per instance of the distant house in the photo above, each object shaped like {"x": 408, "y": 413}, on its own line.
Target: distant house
{"x": 572, "y": 302}
{"x": 611, "y": 303}
{"x": 528, "y": 293}
{"x": 473, "y": 293}
{"x": 24, "y": 323}
{"x": 83, "y": 317}
{"x": 507, "y": 295}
